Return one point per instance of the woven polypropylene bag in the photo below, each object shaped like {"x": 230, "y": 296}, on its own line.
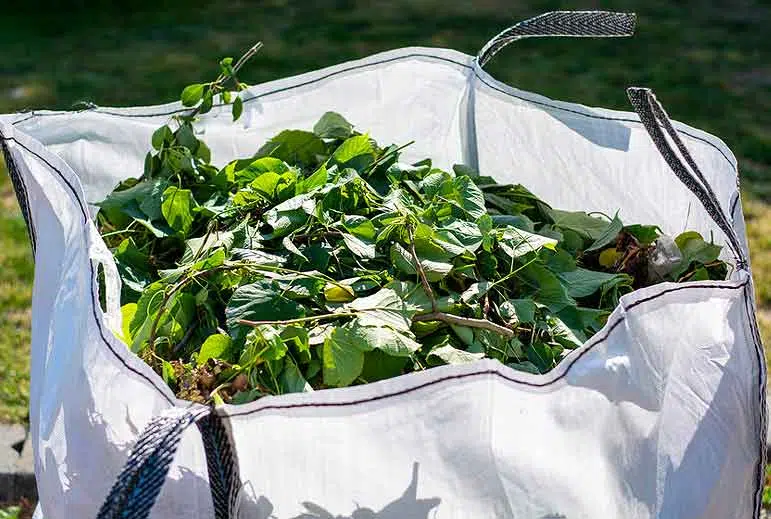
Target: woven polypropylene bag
{"x": 661, "y": 414}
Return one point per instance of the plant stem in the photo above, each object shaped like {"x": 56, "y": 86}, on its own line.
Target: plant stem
{"x": 465, "y": 321}
{"x": 421, "y": 273}
{"x": 299, "y": 320}
{"x": 433, "y": 316}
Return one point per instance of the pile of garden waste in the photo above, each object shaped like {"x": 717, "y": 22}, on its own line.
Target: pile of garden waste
{"x": 323, "y": 261}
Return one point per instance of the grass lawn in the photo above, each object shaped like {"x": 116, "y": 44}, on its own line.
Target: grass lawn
{"x": 709, "y": 65}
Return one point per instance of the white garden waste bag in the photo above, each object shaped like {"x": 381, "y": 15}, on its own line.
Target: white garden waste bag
{"x": 661, "y": 414}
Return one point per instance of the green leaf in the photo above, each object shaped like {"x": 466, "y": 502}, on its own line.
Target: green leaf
{"x": 357, "y": 147}
{"x": 317, "y": 179}
{"x": 474, "y": 292}
{"x": 338, "y": 293}
{"x": 359, "y": 247}
{"x": 448, "y": 354}
{"x": 214, "y": 347}
{"x": 545, "y": 288}
{"x": 251, "y": 171}
{"x": 177, "y": 208}
{"x": 145, "y": 314}
{"x": 589, "y": 227}
{"x": 226, "y": 66}
{"x": 127, "y": 313}
{"x": 333, "y": 126}
{"x": 516, "y": 242}
{"x": 260, "y": 301}
{"x": 132, "y": 266}
{"x": 608, "y": 236}
{"x": 343, "y": 356}
{"x": 161, "y": 137}
{"x": 435, "y": 270}
{"x": 583, "y": 282}
{"x": 466, "y": 234}
{"x": 186, "y": 138}
{"x": 563, "y": 334}
{"x": 359, "y": 226}
{"x": 168, "y": 373}
{"x": 197, "y": 247}
{"x": 292, "y": 380}
{"x": 290, "y": 215}
{"x": 694, "y": 249}
{"x": 294, "y": 146}
{"x": 192, "y": 94}
{"x": 463, "y": 170}
{"x": 526, "y": 367}
{"x": 379, "y": 365}
{"x": 464, "y": 193}
{"x": 541, "y": 355}
{"x": 238, "y": 108}
{"x": 389, "y": 341}
{"x": 644, "y": 234}
{"x": 206, "y": 104}
{"x": 518, "y": 310}
{"x": 384, "y": 308}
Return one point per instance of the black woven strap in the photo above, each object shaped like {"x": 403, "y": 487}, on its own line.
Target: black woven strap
{"x": 656, "y": 121}
{"x": 19, "y": 188}
{"x": 139, "y": 483}
{"x": 222, "y": 464}
{"x": 570, "y": 24}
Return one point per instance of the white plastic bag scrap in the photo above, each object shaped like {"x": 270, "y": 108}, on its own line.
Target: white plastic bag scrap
{"x": 661, "y": 414}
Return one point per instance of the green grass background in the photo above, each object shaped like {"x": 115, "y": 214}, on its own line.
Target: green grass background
{"x": 708, "y": 62}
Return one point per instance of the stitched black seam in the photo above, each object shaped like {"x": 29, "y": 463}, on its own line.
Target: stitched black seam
{"x": 94, "y": 305}
{"x": 20, "y": 188}
{"x": 755, "y": 332}
{"x": 562, "y": 375}
{"x": 389, "y": 60}
{"x": 31, "y": 116}
{"x": 735, "y": 204}
{"x": 61, "y": 175}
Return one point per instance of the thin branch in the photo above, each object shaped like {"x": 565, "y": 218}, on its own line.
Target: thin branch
{"x": 299, "y": 320}
{"x": 421, "y": 273}
{"x": 465, "y": 321}
{"x": 433, "y": 316}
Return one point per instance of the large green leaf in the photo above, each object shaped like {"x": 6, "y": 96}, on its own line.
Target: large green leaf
{"x": 448, "y": 354}
{"x": 545, "y": 287}
{"x": 333, "y": 126}
{"x": 359, "y": 247}
{"x": 403, "y": 260}
{"x": 583, "y": 282}
{"x": 608, "y": 236}
{"x": 516, "y": 242}
{"x": 214, "y": 347}
{"x": 133, "y": 267}
{"x": 589, "y": 227}
{"x": 260, "y": 301}
{"x": 343, "y": 355}
{"x": 464, "y": 193}
{"x": 292, "y": 380}
{"x": 694, "y": 249}
{"x": 177, "y": 208}
{"x": 384, "y": 308}
{"x": 294, "y": 147}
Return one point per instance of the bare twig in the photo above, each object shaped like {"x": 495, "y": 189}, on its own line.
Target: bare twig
{"x": 299, "y": 320}
{"x": 465, "y": 321}
{"x": 421, "y": 272}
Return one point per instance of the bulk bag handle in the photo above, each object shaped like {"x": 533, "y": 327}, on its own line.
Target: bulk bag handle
{"x": 570, "y": 24}
{"x": 656, "y": 121}
{"x": 139, "y": 483}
